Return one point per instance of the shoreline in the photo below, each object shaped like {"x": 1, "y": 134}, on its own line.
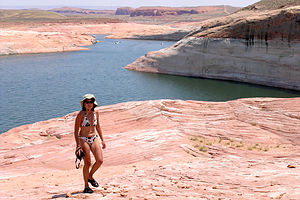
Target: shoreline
{"x": 237, "y": 48}
{"x": 59, "y": 118}
{"x": 25, "y": 126}
{"x": 48, "y": 38}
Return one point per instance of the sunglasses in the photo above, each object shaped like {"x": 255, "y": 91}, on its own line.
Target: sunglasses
{"x": 87, "y": 102}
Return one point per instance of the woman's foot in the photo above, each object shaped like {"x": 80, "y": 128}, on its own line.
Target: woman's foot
{"x": 88, "y": 190}
{"x": 93, "y": 182}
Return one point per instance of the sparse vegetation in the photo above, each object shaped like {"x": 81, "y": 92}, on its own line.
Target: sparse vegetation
{"x": 201, "y": 148}
{"x": 262, "y": 107}
{"x": 240, "y": 145}
{"x": 162, "y": 108}
{"x": 253, "y": 123}
{"x": 202, "y": 144}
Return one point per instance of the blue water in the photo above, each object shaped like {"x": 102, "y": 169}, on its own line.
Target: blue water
{"x": 37, "y": 87}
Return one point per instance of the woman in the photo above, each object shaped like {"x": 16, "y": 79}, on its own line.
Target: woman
{"x": 86, "y": 127}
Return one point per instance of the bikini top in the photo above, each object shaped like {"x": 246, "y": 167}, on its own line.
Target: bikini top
{"x": 86, "y": 122}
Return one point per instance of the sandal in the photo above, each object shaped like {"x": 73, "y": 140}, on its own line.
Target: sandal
{"x": 93, "y": 182}
{"x": 88, "y": 190}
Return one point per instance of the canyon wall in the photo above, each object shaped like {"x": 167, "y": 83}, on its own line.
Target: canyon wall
{"x": 275, "y": 64}
{"x": 124, "y": 11}
{"x": 254, "y": 47}
{"x": 163, "y": 11}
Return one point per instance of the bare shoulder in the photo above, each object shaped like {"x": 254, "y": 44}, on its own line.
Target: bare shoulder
{"x": 80, "y": 114}
{"x": 97, "y": 112}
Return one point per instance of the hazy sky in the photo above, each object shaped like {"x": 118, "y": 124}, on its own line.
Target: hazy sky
{"x": 118, "y": 3}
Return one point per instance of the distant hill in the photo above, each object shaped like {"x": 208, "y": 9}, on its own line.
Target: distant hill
{"x": 124, "y": 11}
{"x": 272, "y": 4}
{"x": 36, "y": 16}
{"x": 80, "y": 11}
{"x": 164, "y": 11}
{"x": 13, "y": 15}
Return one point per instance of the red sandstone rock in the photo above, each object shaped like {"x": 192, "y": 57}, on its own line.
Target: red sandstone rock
{"x": 271, "y": 4}
{"x": 259, "y": 47}
{"x": 280, "y": 24}
{"x": 164, "y": 149}
{"x": 162, "y": 11}
{"x": 124, "y": 11}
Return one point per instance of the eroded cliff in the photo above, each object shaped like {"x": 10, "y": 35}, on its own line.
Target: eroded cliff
{"x": 162, "y": 11}
{"x": 260, "y": 47}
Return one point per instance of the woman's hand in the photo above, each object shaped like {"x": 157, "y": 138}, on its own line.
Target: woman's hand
{"x": 103, "y": 145}
{"x": 77, "y": 147}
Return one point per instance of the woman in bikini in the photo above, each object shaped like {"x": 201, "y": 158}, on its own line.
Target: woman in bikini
{"x": 86, "y": 128}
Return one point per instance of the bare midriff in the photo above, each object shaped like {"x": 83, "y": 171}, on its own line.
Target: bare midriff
{"x": 89, "y": 131}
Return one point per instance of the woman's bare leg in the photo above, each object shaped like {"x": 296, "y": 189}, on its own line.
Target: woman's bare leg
{"x": 87, "y": 161}
{"x": 97, "y": 152}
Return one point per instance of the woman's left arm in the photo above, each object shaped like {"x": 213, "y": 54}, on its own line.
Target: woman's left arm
{"x": 99, "y": 130}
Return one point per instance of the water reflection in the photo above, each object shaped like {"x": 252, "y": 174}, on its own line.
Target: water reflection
{"x": 210, "y": 90}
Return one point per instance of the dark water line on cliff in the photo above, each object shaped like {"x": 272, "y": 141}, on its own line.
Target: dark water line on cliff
{"x": 37, "y": 87}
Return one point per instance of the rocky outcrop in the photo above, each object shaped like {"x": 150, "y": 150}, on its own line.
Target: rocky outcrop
{"x": 271, "y": 4}
{"x": 124, "y": 11}
{"x": 174, "y": 35}
{"x": 275, "y": 64}
{"x": 242, "y": 149}
{"x": 163, "y": 11}
{"x": 282, "y": 24}
{"x": 254, "y": 47}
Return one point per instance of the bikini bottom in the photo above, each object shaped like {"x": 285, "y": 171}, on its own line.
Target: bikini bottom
{"x": 89, "y": 140}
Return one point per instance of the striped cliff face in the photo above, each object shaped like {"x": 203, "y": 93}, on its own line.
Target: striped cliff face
{"x": 252, "y": 47}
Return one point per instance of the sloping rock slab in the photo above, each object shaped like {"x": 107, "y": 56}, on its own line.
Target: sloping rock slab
{"x": 164, "y": 149}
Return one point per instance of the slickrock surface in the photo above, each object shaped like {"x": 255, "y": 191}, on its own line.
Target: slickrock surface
{"x": 28, "y": 41}
{"x": 59, "y": 37}
{"x": 164, "y": 149}
{"x": 260, "y": 47}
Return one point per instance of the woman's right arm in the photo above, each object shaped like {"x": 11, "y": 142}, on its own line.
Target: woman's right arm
{"x": 76, "y": 129}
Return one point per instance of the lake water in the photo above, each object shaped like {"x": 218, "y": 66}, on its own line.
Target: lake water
{"x": 37, "y": 87}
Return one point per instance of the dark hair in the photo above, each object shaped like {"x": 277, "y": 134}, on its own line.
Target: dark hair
{"x": 83, "y": 106}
